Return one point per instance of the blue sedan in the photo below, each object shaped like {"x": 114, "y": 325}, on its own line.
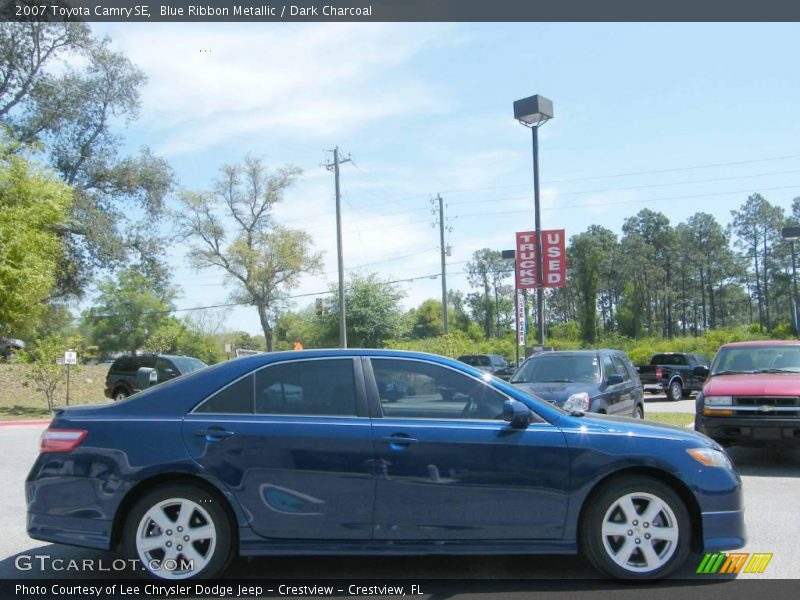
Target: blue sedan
{"x": 309, "y": 453}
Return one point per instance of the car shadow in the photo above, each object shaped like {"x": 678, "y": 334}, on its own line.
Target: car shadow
{"x": 446, "y": 576}
{"x": 767, "y": 461}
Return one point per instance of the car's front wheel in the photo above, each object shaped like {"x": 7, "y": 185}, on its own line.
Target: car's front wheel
{"x": 636, "y": 528}
{"x": 178, "y": 532}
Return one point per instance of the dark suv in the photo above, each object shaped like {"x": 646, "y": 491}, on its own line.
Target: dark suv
{"x": 121, "y": 379}
{"x": 491, "y": 363}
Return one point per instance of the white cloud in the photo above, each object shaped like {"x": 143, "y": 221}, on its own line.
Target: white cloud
{"x": 299, "y": 81}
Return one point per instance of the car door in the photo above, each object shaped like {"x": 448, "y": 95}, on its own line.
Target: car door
{"x": 293, "y": 442}
{"x": 611, "y": 393}
{"x": 449, "y": 467}
{"x": 629, "y": 388}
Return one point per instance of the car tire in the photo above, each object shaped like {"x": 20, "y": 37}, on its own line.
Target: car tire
{"x": 638, "y": 412}
{"x": 120, "y": 394}
{"x": 674, "y": 391}
{"x": 620, "y": 543}
{"x": 193, "y": 527}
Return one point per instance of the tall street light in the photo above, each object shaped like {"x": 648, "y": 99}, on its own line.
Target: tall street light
{"x": 534, "y": 112}
{"x": 792, "y": 234}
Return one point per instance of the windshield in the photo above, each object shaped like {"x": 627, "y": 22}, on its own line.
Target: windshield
{"x": 187, "y": 365}
{"x": 757, "y": 359}
{"x": 566, "y": 368}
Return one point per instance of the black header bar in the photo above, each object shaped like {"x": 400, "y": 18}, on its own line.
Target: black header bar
{"x": 399, "y": 10}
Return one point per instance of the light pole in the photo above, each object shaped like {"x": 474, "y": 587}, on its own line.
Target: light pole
{"x": 534, "y": 112}
{"x": 792, "y": 234}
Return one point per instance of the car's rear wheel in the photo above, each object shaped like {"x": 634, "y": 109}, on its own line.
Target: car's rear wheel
{"x": 636, "y": 528}
{"x": 178, "y": 532}
{"x": 674, "y": 391}
{"x": 120, "y": 395}
{"x": 638, "y": 412}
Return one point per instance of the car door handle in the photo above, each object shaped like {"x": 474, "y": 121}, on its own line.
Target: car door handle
{"x": 215, "y": 434}
{"x": 400, "y": 440}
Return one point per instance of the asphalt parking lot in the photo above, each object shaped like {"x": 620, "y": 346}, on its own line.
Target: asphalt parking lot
{"x": 771, "y": 482}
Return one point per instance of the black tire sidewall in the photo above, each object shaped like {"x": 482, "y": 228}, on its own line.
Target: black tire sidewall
{"x": 223, "y": 551}
{"x": 670, "y": 395}
{"x": 591, "y": 526}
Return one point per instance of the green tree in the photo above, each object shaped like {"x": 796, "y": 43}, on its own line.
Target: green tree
{"x": 63, "y": 91}
{"x": 263, "y": 260}
{"x": 129, "y": 309}
{"x": 43, "y": 371}
{"x": 757, "y": 226}
{"x": 426, "y": 320}
{"x": 33, "y": 203}
{"x": 373, "y": 312}
{"x": 176, "y": 336}
{"x": 494, "y": 304}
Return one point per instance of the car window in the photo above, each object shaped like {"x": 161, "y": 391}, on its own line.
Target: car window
{"x": 620, "y": 367}
{"x": 309, "y": 387}
{"x": 186, "y": 364}
{"x": 478, "y": 360}
{"x": 237, "y": 398}
{"x": 146, "y": 361}
{"x": 412, "y": 389}
{"x": 566, "y": 368}
{"x": 123, "y": 364}
{"x": 609, "y": 368}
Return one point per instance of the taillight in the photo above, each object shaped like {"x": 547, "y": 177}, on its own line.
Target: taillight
{"x": 61, "y": 440}
{"x": 659, "y": 373}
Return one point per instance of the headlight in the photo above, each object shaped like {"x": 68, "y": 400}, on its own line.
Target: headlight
{"x": 718, "y": 400}
{"x": 710, "y": 458}
{"x": 577, "y": 402}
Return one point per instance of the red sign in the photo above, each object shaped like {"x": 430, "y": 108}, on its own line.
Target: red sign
{"x": 526, "y": 260}
{"x": 554, "y": 266}
{"x": 555, "y": 258}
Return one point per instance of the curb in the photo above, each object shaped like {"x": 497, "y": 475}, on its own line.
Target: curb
{"x": 25, "y": 422}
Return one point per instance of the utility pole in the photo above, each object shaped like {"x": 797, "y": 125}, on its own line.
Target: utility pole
{"x": 342, "y": 318}
{"x": 444, "y": 252}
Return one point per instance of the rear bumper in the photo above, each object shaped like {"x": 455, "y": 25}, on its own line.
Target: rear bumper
{"x": 748, "y": 431}
{"x": 75, "y": 531}
{"x": 723, "y": 530}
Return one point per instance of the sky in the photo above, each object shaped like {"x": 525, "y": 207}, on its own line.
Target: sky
{"x": 677, "y": 118}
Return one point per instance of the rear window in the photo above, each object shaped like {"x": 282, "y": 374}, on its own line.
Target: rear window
{"x": 476, "y": 360}
{"x": 668, "y": 359}
{"x": 187, "y": 365}
{"x": 123, "y": 364}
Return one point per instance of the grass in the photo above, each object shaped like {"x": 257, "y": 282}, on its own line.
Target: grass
{"x": 20, "y": 400}
{"x": 677, "y": 419}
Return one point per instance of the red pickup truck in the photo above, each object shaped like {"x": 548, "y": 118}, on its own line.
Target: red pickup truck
{"x": 752, "y": 394}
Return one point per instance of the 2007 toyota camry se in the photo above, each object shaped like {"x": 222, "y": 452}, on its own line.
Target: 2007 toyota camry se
{"x": 370, "y": 452}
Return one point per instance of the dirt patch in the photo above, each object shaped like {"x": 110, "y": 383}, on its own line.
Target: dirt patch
{"x": 19, "y": 398}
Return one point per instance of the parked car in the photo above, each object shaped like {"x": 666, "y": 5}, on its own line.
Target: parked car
{"x": 188, "y": 473}
{"x": 8, "y": 346}
{"x": 121, "y": 380}
{"x": 673, "y": 373}
{"x": 752, "y": 394}
{"x": 490, "y": 363}
{"x": 601, "y": 381}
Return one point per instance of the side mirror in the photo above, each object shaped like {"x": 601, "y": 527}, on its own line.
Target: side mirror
{"x": 146, "y": 377}
{"x": 516, "y": 413}
{"x": 614, "y": 379}
{"x": 700, "y": 371}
